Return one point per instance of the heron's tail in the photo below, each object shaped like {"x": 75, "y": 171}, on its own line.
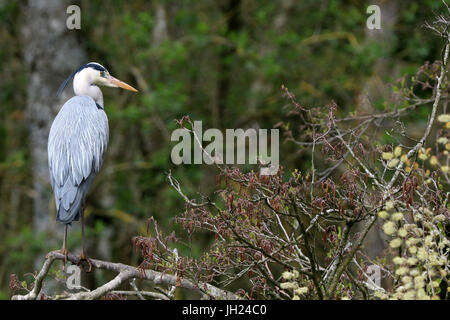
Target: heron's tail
{"x": 69, "y": 199}
{"x": 71, "y": 214}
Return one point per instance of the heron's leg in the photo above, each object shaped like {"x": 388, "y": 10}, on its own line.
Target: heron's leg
{"x": 83, "y": 256}
{"x": 64, "y": 250}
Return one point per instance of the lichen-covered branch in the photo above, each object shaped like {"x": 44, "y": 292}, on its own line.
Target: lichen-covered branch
{"x": 125, "y": 272}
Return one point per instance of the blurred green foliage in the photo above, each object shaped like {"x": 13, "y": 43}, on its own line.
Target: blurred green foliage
{"x": 222, "y": 62}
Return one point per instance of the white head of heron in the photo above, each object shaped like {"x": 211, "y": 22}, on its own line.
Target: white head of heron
{"x": 87, "y": 79}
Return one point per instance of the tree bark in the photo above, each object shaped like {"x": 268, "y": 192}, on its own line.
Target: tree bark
{"x": 374, "y": 89}
{"x": 232, "y": 11}
{"x": 51, "y": 52}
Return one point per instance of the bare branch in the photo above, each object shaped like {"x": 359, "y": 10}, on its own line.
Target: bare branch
{"x": 125, "y": 272}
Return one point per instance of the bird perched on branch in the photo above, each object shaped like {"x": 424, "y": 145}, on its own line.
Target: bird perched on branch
{"x": 77, "y": 143}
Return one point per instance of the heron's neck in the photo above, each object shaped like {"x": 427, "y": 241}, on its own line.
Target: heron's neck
{"x": 81, "y": 87}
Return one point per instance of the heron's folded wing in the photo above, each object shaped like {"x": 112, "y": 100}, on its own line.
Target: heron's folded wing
{"x": 77, "y": 142}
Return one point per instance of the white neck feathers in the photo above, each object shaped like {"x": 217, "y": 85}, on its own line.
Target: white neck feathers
{"x": 83, "y": 86}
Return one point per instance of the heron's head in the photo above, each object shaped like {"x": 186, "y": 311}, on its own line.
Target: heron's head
{"x": 94, "y": 74}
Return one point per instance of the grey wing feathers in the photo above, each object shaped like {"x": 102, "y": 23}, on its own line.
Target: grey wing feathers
{"x": 76, "y": 146}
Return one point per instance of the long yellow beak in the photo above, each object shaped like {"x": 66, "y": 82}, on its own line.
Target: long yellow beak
{"x": 121, "y": 84}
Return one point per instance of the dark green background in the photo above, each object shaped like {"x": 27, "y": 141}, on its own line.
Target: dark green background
{"x": 223, "y": 63}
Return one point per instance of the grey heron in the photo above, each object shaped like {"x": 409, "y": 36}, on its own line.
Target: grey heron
{"x": 77, "y": 143}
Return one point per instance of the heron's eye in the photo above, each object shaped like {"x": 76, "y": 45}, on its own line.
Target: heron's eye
{"x": 103, "y": 74}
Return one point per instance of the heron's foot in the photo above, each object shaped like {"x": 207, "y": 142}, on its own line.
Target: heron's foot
{"x": 65, "y": 252}
{"x": 84, "y": 258}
